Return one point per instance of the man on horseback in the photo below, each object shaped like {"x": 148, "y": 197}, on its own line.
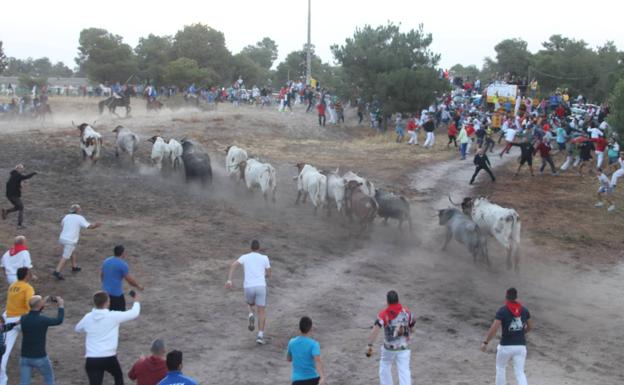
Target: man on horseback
{"x": 117, "y": 90}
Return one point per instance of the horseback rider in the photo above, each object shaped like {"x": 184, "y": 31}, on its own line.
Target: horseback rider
{"x": 117, "y": 90}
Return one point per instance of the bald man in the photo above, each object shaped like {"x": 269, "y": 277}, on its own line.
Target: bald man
{"x": 14, "y": 193}
{"x": 17, "y": 256}
{"x": 34, "y": 329}
{"x": 71, "y": 224}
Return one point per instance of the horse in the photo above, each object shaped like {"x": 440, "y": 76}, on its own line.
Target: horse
{"x": 153, "y": 105}
{"x": 112, "y": 103}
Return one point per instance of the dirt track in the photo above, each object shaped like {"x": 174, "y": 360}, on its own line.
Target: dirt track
{"x": 180, "y": 240}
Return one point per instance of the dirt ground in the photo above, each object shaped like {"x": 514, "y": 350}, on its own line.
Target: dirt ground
{"x": 180, "y": 240}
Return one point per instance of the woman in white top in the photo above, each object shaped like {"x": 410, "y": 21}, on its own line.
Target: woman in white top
{"x": 71, "y": 224}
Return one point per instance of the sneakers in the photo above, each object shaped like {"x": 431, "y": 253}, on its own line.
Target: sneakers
{"x": 599, "y": 204}
{"x": 611, "y": 208}
{"x": 21, "y": 227}
{"x": 252, "y": 322}
{"x": 76, "y": 269}
{"x": 260, "y": 340}
{"x": 58, "y": 276}
{"x": 4, "y": 214}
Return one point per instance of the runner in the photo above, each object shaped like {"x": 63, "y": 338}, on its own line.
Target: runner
{"x": 305, "y": 355}
{"x": 397, "y": 324}
{"x": 14, "y": 193}
{"x": 71, "y": 224}
{"x": 606, "y": 190}
{"x": 257, "y": 269}
{"x": 516, "y": 322}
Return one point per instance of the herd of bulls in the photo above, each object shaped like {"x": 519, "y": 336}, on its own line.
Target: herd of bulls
{"x": 352, "y": 195}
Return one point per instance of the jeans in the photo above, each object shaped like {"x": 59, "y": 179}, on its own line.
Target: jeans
{"x": 17, "y": 206}
{"x": 462, "y": 148}
{"x": 402, "y": 360}
{"x": 516, "y": 353}
{"x": 96, "y": 367}
{"x": 9, "y": 339}
{"x": 42, "y": 364}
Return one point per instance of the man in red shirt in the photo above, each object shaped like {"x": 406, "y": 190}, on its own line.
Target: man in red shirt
{"x": 544, "y": 149}
{"x": 321, "y": 112}
{"x": 150, "y": 370}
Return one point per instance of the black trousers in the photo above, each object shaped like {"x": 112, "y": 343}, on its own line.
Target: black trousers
{"x": 479, "y": 168}
{"x": 17, "y": 206}
{"x": 452, "y": 139}
{"x": 548, "y": 160}
{"x": 96, "y": 367}
{"x": 311, "y": 381}
{"x": 117, "y": 303}
{"x": 321, "y": 120}
{"x": 360, "y": 116}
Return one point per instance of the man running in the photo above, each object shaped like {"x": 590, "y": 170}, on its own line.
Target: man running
{"x": 397, "y": 324}
{"x": 257, "y": 269}
{"x": 526, "y": 155}
{"x": 305, "y": 355}
{"x": 516, "y": 322}
{"x": 112, "y": 274}
{"x": 14, "y": 193}
{"x": 71, "y": 224}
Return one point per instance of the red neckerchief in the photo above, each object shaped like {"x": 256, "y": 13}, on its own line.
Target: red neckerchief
{"x": 514, "y": 307}
{"x": 16, "y": 249}
{"x": 390, "y": 313}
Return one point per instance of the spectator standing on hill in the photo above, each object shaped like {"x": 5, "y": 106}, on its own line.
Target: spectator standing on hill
{"x": 429, "y": 127}
{"x": 305, "y": 355}
{"x": 114, "y": 271}
{"x": 257, "y": 269}
{"x": 463, "y": 142}
{"x": 14, "y": 193}
{"x": 71, "y": 225}
{"x": 515, "y": 321}
{"x": 399, "y": 128}
{"x": 34, "y": 327}
{"x": 320, "y": 107}
{"x": 452, "y": 134}
{"x": 152, "y": 369}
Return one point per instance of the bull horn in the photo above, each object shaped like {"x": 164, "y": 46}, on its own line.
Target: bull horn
{"x": 450, "y": 200}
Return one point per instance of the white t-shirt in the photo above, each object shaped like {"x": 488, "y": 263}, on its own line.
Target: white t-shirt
{"x": 255, "y": 265}
{"x": 510, "y": 135}
{"x": 72, "y": 224}
{"x": 595, "y": 133}
{"x": 13, "y": 262}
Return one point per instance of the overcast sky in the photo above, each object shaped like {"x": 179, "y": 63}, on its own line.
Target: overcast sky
{"x": 463, "y": 31}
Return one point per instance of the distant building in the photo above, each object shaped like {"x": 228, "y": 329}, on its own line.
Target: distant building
{"x": 56, "y": 86}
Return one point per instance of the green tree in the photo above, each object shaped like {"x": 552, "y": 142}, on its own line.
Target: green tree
{"x": 469, "y": 72}
{"x": 384, "y": 61}
{"x": 153, "y": 55}
{"x": 103, "y": 56}
{"x": 512, "y": 56}
{"x": 3, "y": 59}
{"x": 249, "y": 70}
{"x": 206, "y": 46}
{"x": 28, "y": 81}
{"x": 616, "y": 104}
{"x": 41, "y": 67}
{"x": 184, "y": 71}
{"x": 60, "y": 70}
{"x": 262, "y": 53}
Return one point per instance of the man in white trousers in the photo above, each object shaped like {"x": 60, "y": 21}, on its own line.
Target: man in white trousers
{"x": 397, "y": 324}
{"x": 516, "y": 322}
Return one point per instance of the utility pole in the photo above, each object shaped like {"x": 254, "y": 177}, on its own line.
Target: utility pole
{"x": 309, "y": 46}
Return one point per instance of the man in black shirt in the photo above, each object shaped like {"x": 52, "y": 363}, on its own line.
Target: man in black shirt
{"x": 14, "y": 193}
{"x": 34, "y": 329}
{"x": 482, "y": 162}
{"x": 515, "y": 321}
{"x": 526, "y": 155}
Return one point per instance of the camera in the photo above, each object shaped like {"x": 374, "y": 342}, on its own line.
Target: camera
{"x": 52, "y": 299}
{"x": 132, "y": 293}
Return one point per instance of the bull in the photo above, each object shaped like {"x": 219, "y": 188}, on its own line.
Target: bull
{"x": 196, "y": 162}
{"x": 393, "y": 206}
{"x": 465, "y": 231}
{"x": 360, "y": 205}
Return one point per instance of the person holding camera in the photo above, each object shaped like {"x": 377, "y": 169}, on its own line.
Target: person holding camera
{"x": 102, "y": 329}
{"x": 34, "y": 329}
{"x": 114, "y": 271}
{"x": 397, "y": 324}
{"x": 18, "y": 295}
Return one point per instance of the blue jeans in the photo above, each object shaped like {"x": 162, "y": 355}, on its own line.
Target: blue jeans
{"x": 43, "y": 365}
{"x": 462, "y": 148}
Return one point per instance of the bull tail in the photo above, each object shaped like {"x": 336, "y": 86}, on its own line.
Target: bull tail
{"x": 321, "y": 190}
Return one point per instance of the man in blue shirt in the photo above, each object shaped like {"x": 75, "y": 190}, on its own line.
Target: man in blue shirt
{"x": 34, "y": 329}
{"x": 515, "y": 322}
{"x": 305, "y": 355}
{"x": 175, "y": 376}
{"x": 114, "y": 271}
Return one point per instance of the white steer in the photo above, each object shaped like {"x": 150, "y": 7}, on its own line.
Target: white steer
{"x": 259, "y": 175}
{"x": 310, "y": 182}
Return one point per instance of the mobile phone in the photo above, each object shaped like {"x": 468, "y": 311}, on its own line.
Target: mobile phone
{"x": 132, "y": 293}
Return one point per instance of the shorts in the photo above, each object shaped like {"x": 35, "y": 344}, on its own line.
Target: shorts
{"x": 613, "y": 160}
{"x": 605, "y": 189}
{"x": 256, "y": 295}
{"x": 527, "y": 160}
{"x": 562, "y": 146}
{"x": 68, "y": 249}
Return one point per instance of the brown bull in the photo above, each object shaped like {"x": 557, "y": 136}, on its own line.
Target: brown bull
{"x": 359, "y": 205}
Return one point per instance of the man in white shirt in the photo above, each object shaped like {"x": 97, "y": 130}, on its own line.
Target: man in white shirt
{"x": 102, "y": 329}
{"x": 71, "y": 224}
{"x": 16, "y": 257}
{"x": 257, "y": 268}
